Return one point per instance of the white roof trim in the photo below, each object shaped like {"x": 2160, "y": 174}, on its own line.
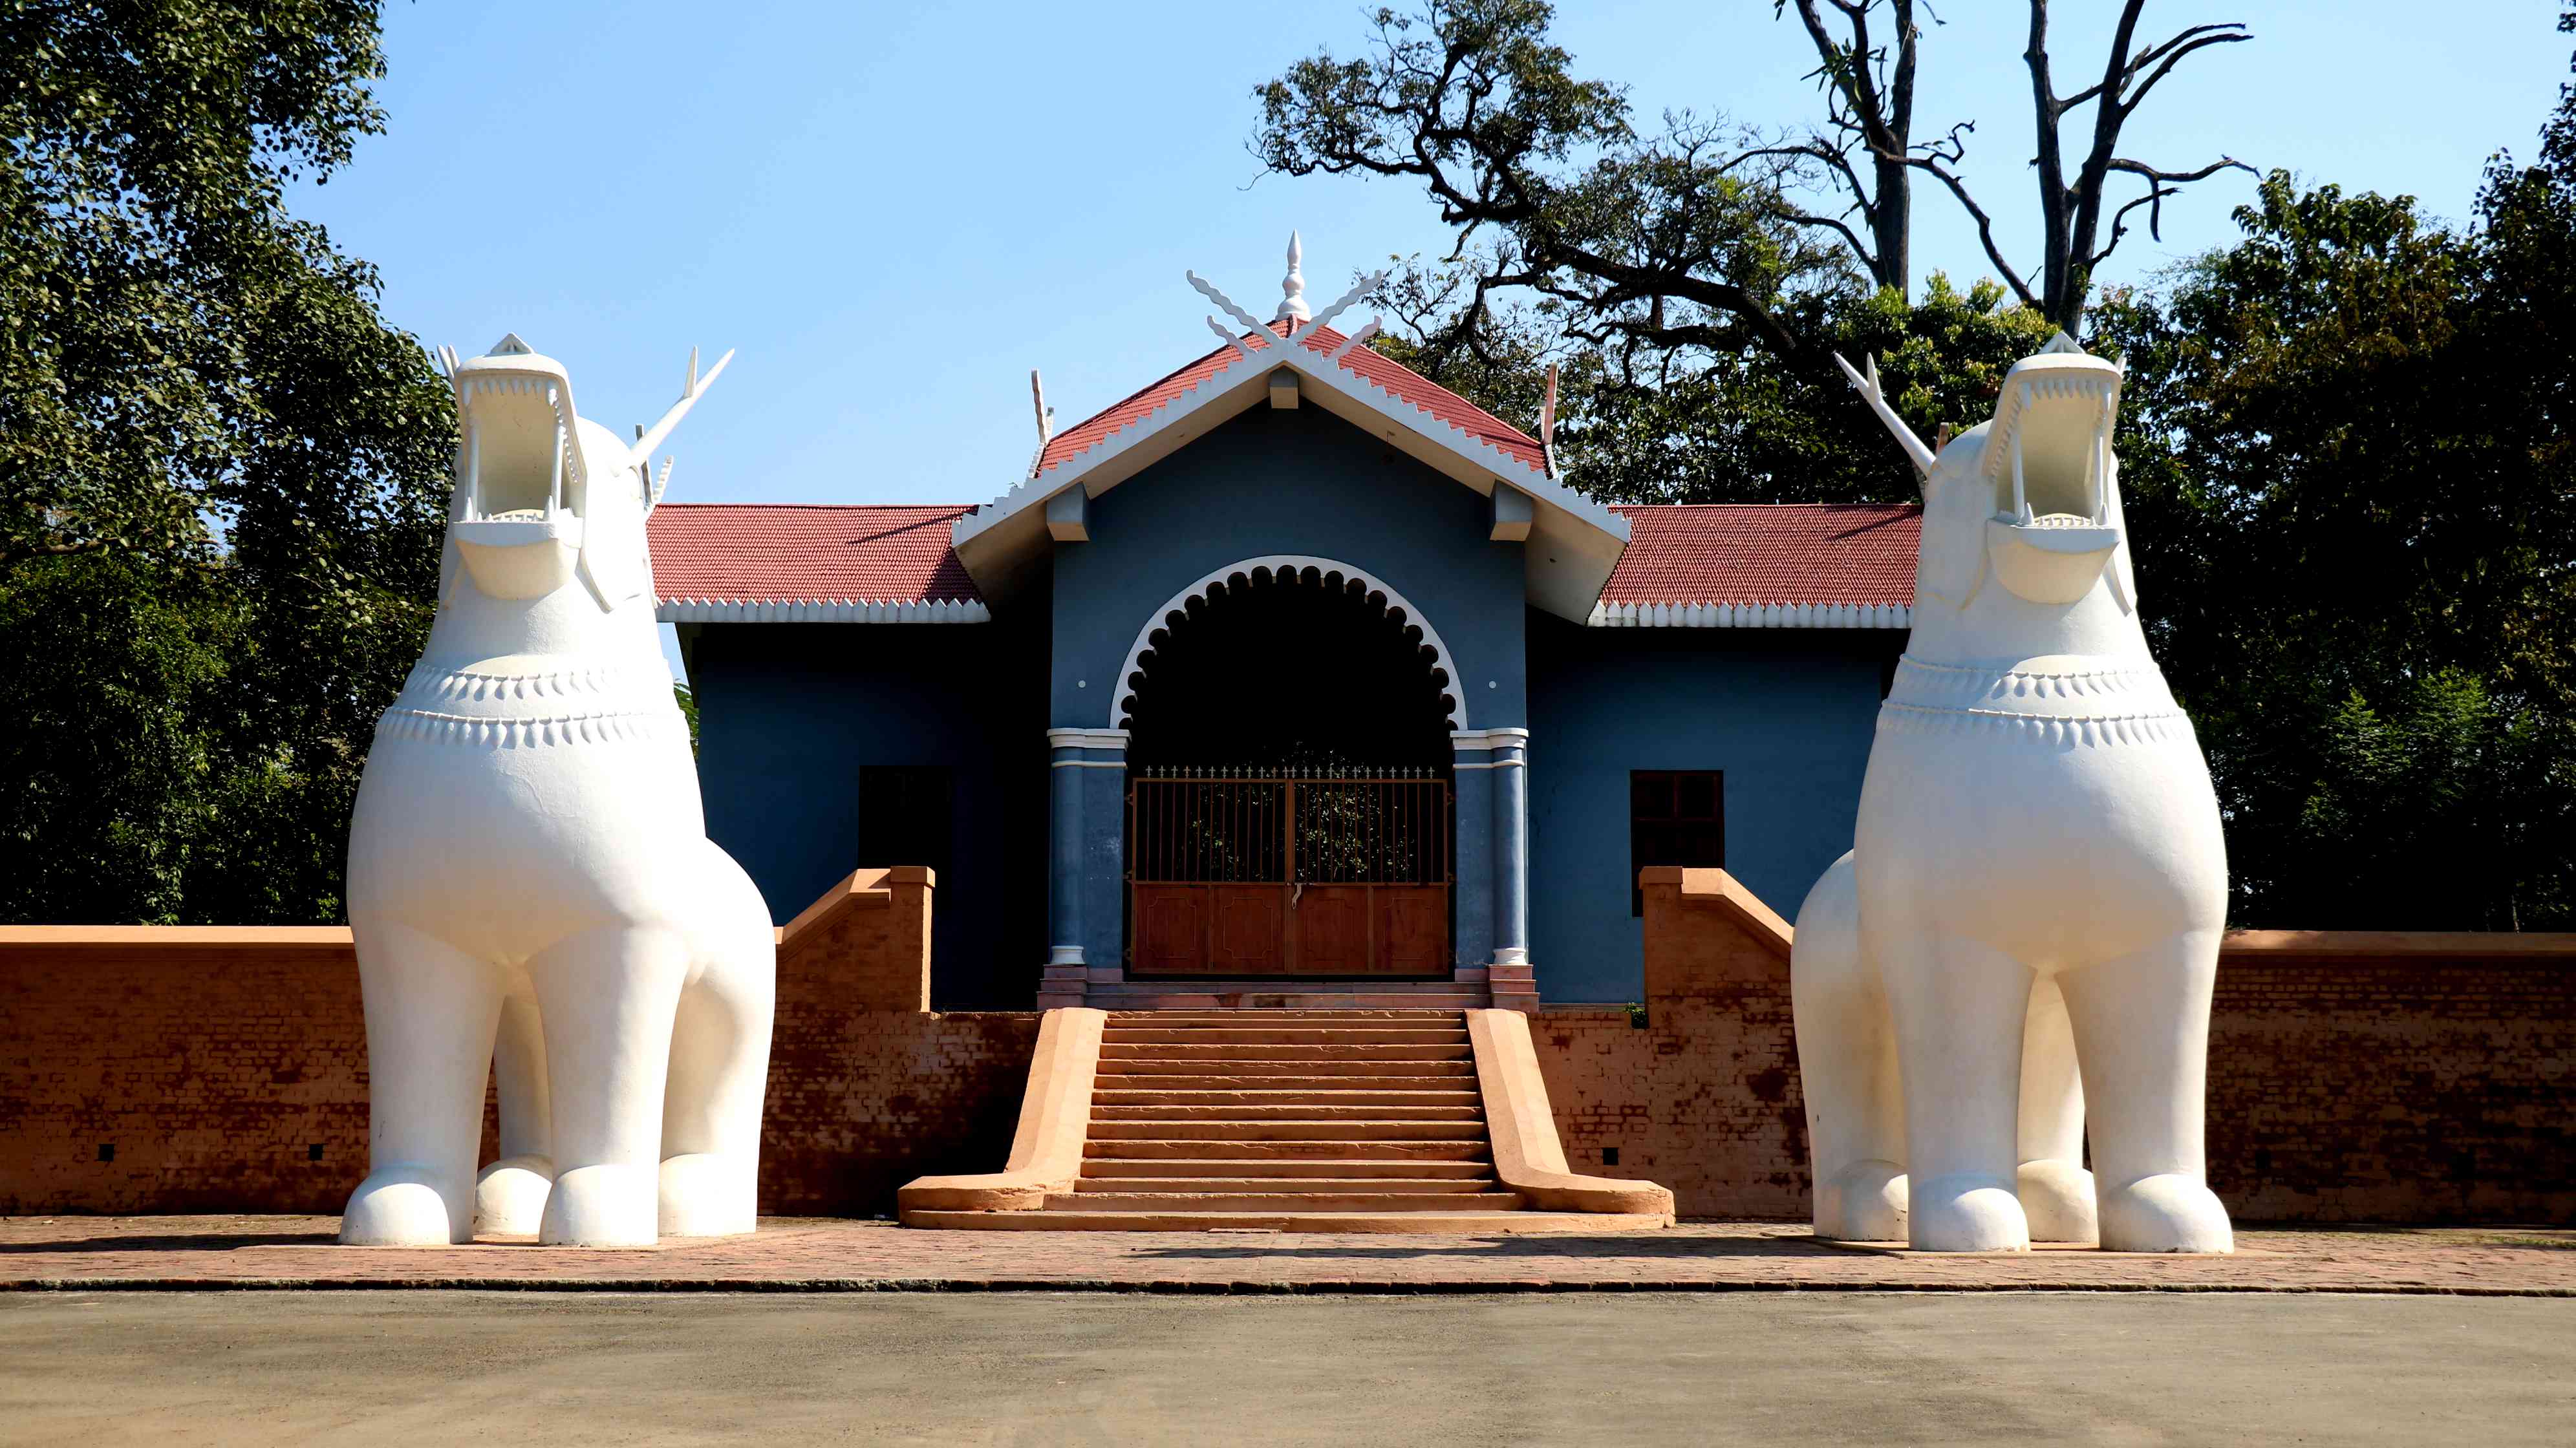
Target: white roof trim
{"x": 821, "y": 610}
{"x": 1751, "y": 615}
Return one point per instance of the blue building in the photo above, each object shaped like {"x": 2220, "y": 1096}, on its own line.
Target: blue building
{"x": 1293, "y": 671}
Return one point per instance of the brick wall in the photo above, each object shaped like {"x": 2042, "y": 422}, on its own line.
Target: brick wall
{"x": 2353, "y": 1076}
{"x": 2388, "y": 1078}
{"x": 214, "y": 1061}
{"x": 1700, "y": 1092}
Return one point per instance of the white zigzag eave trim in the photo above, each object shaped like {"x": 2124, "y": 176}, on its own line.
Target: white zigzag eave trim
{"x": 1751, "y": 615}
{"x": 822, "y": 610}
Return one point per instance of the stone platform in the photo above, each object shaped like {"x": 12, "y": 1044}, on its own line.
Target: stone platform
{"x": 813, "y": 1254}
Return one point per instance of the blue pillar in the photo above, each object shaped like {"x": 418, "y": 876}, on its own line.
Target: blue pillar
{"x": 1089, "y": 774}
{"x": 1510, "y": 759}
{"x": 1493, "y": 863}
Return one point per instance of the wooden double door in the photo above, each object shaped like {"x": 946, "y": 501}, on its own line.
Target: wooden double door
{"x": 1248, "y": 873}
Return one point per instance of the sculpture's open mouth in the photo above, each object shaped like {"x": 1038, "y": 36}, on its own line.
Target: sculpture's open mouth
{"x": 2048, "y": 458}
{"x": 519, "y": 482}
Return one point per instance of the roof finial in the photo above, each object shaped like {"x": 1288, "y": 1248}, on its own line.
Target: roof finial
{"x": 1292, "y": 302}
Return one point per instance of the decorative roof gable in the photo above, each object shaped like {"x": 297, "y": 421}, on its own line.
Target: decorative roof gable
{"x": 1573, "y": 541}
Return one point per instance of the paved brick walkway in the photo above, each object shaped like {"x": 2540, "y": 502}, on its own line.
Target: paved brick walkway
{"x": 820, "y": 1254}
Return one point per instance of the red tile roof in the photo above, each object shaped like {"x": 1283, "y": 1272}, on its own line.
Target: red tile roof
{"x": 1712, "y": 553}
{"x": 878, "y": 553}
{"x": 1391, "y": 376}
{"x": 1767, "y": 553}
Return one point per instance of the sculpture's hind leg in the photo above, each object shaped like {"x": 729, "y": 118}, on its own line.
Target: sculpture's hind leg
{"x": 719, "y": 1073}
{"x": 431, "y": 1010}
{"x": 2056, "y": 1191}
{"x": 2142, "y": 1033}
{"x": 1847, "y": 1069}
{"x": 510, "y": 1195}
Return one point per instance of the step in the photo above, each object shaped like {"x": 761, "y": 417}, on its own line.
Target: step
{"x": 1282, "y": 1202}
{"x": 1291, "y": 1186}
{"x": 1386, "y": 1168}
{"x": 1376, "y": 998}
{"x": 1329, "y": 1131}
{"x": 1298, "y": 1070}
{"x": 1228, "y": 1037}
{"x": 1255, "y": 1017}
{"x": 1284, "y": 1081}
{"x": 1458, "y": 1050}
{"x": 1248, "y": 1148}
{"x": 1410, "y": 1223}
{"x": 1286, "y": 1111}
{"x": 1375, "y": 1093}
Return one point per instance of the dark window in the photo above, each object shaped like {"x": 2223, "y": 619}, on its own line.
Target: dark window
{"x": 904, "y": 814}
{"x": 1675, "y": 817}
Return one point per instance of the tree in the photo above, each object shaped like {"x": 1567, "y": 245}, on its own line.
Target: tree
{"x": 1694, "y": 237}
{"x": 2357, "y": 526}
{"x": 210, "y": 444}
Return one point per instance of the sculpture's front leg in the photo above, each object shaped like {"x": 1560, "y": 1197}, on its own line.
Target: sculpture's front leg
{"x": 431, "y": 1010}
{"x": 608, "y": 998}
{"x": 1960, "y": 1008}
{"x": 2142, "y": 1032}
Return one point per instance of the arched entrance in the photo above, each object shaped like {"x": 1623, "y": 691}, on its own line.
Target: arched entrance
{"x": 1289, "y": 806}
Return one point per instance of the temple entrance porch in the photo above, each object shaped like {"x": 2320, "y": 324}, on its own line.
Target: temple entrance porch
{"x": 1299, "y": 819}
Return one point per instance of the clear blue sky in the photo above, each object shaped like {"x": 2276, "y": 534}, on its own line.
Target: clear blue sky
{"x": 895, "y": 213}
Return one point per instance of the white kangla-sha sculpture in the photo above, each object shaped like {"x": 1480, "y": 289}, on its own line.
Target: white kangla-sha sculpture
{"x": 2028, "y": 923}
{"x": 529, "y": 859}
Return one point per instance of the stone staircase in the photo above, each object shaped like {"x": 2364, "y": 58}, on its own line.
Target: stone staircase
{"x": 1338, "y": 1120}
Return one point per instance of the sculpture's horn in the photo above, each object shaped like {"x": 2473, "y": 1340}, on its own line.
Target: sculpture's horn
{"x": 697, "y": 388}
{"x": 1915, "y": 452}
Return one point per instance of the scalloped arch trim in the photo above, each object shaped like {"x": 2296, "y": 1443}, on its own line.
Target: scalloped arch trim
{"x": 1123, "y": 697}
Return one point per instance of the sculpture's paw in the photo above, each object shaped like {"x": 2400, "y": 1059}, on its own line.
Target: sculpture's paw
{"x": 601, "y": 1206}
{"x": 706, "y": 1195}
{"x": 1864, "y": 1202}
{"x": 510, "y": 1195}
{"x": 2057, "y": 1198}
{"x": 1964, "y": 1213}
{"x": 402, "y": 1206}
{"x": 2168, "y": 1213}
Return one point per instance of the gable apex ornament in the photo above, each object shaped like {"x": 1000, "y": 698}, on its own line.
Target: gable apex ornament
{"x": 1292, "y": 288}
{"x": 1292, "y": 309}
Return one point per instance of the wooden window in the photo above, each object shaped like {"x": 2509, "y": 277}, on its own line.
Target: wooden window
{"x": 1675, "y": 817}
{"x": 904, "y": 814}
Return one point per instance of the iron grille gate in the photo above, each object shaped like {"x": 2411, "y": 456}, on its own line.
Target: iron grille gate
{"x": 1248, "y": 872}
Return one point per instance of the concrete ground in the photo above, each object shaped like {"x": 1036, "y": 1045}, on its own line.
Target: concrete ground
{"x": 825, "y": 1254}
{"x": 428, "y": 1366}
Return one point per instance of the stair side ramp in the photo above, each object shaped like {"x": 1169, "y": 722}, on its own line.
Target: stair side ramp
{"x": 1288, "y": 1121}
{"x": 1055, "y": 1120}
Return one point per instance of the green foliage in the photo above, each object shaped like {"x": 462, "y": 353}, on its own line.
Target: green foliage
{"x": 211, "y": 445}
{"x": 688, "y": 701}
{"x": 2346, "y": 462}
